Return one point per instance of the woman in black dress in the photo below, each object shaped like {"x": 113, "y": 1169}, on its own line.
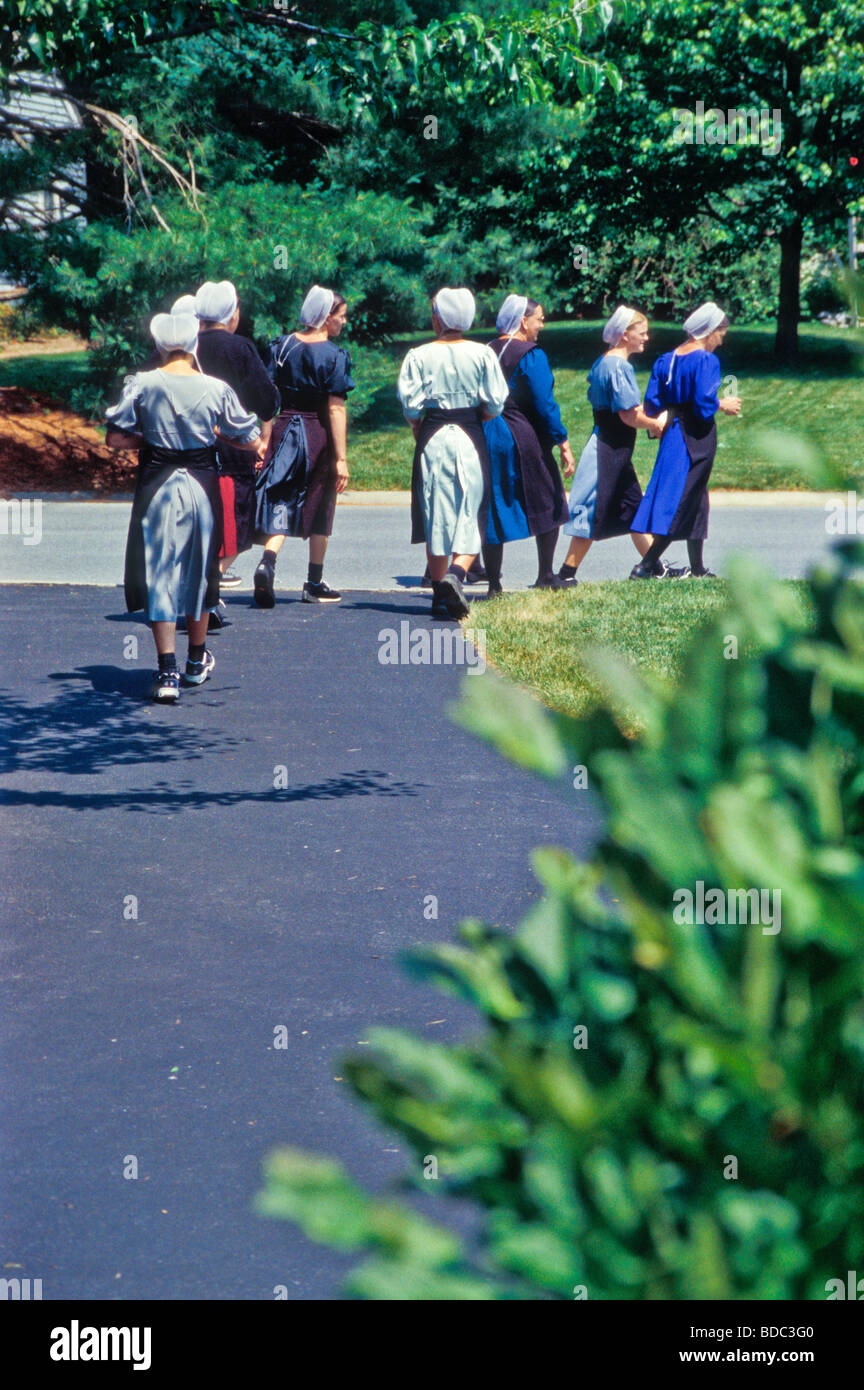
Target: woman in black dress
{"x": 225, "y": 354}
{"x": 305, "y": 466}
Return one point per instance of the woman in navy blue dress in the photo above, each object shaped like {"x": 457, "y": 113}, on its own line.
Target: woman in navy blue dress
{"x": 527, "y": 495}
{"x": 685, "y": 384}
{"x": 305, "y": 466}
{"x": 605, "y": 495}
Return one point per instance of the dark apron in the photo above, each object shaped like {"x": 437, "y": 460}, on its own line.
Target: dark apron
{"x": 468, "y": 419}
{"x": 690, "y": 521}
{"x": 618, "y": 489}
{"x": 542, "y": 486}
{"x": 155, "y": 466}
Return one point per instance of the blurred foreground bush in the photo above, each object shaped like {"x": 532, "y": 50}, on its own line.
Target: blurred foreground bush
{"x": 607, "y": 1170}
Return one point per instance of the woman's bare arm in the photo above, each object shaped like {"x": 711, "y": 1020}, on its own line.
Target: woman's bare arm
{"x": 338, "y": 417}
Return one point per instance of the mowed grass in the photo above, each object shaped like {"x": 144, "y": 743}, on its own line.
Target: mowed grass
{"x": 820, "y": 398}
{"x": 540, "y": 639}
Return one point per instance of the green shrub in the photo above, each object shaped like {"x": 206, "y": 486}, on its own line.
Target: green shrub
{"x": 607, "y": 1170}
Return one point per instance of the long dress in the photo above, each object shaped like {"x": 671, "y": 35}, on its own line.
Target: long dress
{"x": 172, "y": 549}
{"x": 446, "y": 385}
{"x": 605, "y": 493}
{"x": 676, "y": 498}
{"x": 296, "y": 488}
{"x": 527, "y": 494}
{"x": 234, "y": 358}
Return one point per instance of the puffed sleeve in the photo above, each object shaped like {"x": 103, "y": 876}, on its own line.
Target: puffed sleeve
{"x": 124, "y": 415}
{"x": 410, "y": 389}
{"x": 706, "y": 382}
{"x": 655, "y": 399}
{"x": 339, "y": 379}
{"x": 538, "y": 373}
{"x": 233, "y": 421}
{"x": 625, "y": 391}
{"x": 493, "y": 390}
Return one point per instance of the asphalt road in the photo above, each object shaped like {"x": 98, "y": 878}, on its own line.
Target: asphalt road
{"x": 152, "y": 1037}
{"x": 84, "y": 542}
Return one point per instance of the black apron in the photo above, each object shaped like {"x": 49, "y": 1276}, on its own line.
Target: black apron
{"x": 542, "y": 486}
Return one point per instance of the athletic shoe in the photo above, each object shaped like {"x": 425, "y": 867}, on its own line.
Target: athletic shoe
{"x": 673, "y": 572}
{"x": 698, "y": 574}
{"x": 439, "y": 609}
{"x": 450, "y": 592}
{"x": 230, "y": 580}
{"x": 477, "y": 574}
{"x": 263, "y": 580}
{"x": 167, "y": 687}
{"x": 647, "y": 571}
{"x": 549, "y": 581}
{"x": 494, "y": 591}
{"x": 320, "y": 593}
{"x": 197, "y": 672}
{"x": 568, "y": 579}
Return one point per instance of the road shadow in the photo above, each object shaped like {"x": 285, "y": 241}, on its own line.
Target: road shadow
{"x": 166, "y": 798}
{"x": 95, "y": 721}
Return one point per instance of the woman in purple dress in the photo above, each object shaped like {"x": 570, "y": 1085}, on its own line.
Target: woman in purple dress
{"x": 685, "y": 383}
{"x": 305, "y": 466}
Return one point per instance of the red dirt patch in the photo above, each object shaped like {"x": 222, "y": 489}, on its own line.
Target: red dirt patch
{"x": 46, "y": 448}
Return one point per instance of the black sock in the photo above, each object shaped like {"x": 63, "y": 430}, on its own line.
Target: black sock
{"x": 269, "y": 558}
{"x": 567, "y": 571}
{"x": 655, "y": 550}
{"x": 316, "y": 573}
{"x": 167, "y": 662}
{"x": 196, "y": 653}
{"x": 546, "y": 552}
{"x": 694, "y": 555}
{"x": 460, "y": 574}
{"x": 493, "y": 559}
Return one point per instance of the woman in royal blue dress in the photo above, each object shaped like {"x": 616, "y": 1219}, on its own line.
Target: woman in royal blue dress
{"x": 684, "y": 383}
{"x": 605, "y": 495}
{"x": 527, "y": 495}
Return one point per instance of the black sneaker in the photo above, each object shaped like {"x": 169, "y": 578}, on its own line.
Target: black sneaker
{"x": 230, "y": 580}
{"x": 450, "y": 592}
{"x": 549, "y": 581}
{"x": 320, "y": 593}
{"x": 166, "y": 689}
{"x": 699, "y": 574}
{"x": 568, "y": 580}
{"x": 641, "y": 571}
{"x": 197, "y": 672}
{"x": 673, "y": 571}
{"x": 477, "y": 574}
{"x": 439, "y": 608}
{"x": 263, "y": 580}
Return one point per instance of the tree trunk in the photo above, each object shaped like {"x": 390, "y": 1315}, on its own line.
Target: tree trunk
{"x": 789, "y": 303}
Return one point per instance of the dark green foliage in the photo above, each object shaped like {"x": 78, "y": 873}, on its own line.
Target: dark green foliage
{"x": 605, "y": 1170}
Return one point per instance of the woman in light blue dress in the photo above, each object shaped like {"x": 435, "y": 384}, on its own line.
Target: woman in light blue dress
{"x": 172, "y": 415}
{"x": 447, "y": 388}
{"x": 605, "y": 494}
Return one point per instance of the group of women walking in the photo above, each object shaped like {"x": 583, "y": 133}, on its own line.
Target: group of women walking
{"x": 233, "y": 452}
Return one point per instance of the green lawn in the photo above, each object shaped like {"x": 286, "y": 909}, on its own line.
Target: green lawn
{"x": 822, "y": 398}
{"x": 538, "y": 639}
